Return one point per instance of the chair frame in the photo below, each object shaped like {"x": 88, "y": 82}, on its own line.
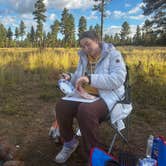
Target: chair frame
{"x": 119, "y": 133}
{"x": 125, "y": 100}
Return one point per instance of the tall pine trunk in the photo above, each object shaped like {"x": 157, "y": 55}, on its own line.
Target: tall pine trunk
{"x": 102, "y": 17}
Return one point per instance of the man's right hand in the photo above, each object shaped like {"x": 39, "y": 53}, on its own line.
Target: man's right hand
{"x": 65, "y": 76}
{"x": 81, "y": 91}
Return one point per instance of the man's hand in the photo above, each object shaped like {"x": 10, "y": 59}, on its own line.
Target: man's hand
{"x": 81, "y": 81}
{"x": 81, "y": 90}
{"x": 84, "y": 94}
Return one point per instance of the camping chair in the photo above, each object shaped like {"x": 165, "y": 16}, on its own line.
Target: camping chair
{"x": 125, "y": 103}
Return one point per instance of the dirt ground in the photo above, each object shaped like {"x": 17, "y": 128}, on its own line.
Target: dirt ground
{"x": 28, "y": 128}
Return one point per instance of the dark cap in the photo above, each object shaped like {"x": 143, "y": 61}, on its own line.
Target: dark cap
{"x": 89, "y": 34}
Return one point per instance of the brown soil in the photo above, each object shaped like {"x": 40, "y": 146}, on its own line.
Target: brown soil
{"x": 29, "y": 129}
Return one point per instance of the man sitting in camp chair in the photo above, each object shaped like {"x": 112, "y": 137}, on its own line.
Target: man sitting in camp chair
{"x": 101, "y": 72}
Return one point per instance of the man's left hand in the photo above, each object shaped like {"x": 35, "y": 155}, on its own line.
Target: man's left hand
{"x": 81, "y": 81}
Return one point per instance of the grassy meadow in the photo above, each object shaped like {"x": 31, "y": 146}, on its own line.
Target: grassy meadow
{"x": 21, "y": 66}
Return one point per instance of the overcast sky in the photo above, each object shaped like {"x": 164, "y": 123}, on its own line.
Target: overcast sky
{"x": 13, "y": 11}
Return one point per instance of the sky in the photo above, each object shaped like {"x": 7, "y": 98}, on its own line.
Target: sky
{"x": 118, "y": 11}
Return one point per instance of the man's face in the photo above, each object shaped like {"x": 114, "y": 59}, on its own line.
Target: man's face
{"x": 89, "y": 46}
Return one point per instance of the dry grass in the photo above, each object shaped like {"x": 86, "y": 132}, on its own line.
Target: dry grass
{"x": 27, "y": 65}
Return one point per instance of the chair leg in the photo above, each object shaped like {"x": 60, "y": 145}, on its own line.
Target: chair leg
{"x": 123, "y": 137}
{"x": 114, "y": 138}
{"x": 127, "y": 127}
{"x": 112, "y": 143}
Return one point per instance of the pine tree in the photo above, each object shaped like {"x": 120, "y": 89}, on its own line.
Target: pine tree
{"x": 148, "y": 36}
{"x": 108, "y": 39}
{"x": 82, "y": 26}
{"x": 49, "y": 40}
{"x": 97, "y": 29}
{"x": 116, "y": 39}
{"x": 32, "y": 36}
{"x": 124, "y": 33}
{"x": 22, "y": 29}
{"x": 27, "y": 40}
{"x": 44, "y": 39}
{"x": 39, "y": 16}
{"x": 137, "y": 36}
{"x": 71, "y": 35}
{"x": 17, "y": 33}
{"x": 3, "y": 35}
{"x": 63, "y": 25}
{"x": 157, "y": 10}
{"x": 91, "y": 28}
{"x": 101, "y": 7}
{"x": 67, "y": 28}
{"x": 9, "y": 36}
{"x": 54, "y": 32}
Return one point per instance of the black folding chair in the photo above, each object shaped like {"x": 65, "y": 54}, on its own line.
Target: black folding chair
{"x": 126, "y": 100}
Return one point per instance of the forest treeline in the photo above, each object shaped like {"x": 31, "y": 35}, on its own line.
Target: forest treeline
{"x": 151, "y": 33}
